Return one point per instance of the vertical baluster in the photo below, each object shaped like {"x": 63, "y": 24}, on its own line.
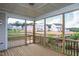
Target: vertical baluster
{"x": 29, "y": 39}
{"x": 42, "y": 40}
{"x": 77, "y": 49}
{"x": 71, "y": 47}
{"x": 35, "y": 38}
{"x": 65, "y": 47}
{"x": 68, "y": 47}
{"x": 57, "y": 45}
{"x": 74, "y": 48}
{"x": 39, "y": 39}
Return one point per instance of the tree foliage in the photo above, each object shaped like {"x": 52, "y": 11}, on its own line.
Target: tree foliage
{"x": 49, "y": 26}
{"x": 17, "y": 23}
{"x": 74, "y": 29}
{"x": 75, "y": 36}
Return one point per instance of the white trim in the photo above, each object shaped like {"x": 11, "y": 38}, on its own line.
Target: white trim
{"x": 60, "y": 11}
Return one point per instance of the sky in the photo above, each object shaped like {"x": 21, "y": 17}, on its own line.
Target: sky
{"x": 71, "y": 20}
{"x": 13, "y": 20}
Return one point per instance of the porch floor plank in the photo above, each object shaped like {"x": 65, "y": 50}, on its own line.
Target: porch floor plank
{"x": 30, "y": 50}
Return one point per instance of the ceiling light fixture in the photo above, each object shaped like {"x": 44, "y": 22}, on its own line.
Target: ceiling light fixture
{"x": 31, "y": 4}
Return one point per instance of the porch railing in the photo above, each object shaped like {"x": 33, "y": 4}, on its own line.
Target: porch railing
{"x": 71, "y": 47}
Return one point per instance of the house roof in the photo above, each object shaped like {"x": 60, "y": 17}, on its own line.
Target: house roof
{"x": 57, "y": 24}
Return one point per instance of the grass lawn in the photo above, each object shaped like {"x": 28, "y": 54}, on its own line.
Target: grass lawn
{"x": 12, "y": 34}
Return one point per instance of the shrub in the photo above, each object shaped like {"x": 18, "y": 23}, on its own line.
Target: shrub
{"x": 50, "y": 39}
{"x": 75, "y": 36}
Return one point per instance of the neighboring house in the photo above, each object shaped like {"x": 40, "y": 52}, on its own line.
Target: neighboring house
{"x": 67, "y": 30}
{"x": 56, "y": 27}
{"x": 53, "y": 27}
{"x": 13, "y": 26}
{"x": 40, "y": 27}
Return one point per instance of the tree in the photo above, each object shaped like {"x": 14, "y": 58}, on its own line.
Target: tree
{"x": 74, "y": 29}
{"x": 49, "y": 26}
{"x": 23, "y": 24}
{"x": 17, "y": 23}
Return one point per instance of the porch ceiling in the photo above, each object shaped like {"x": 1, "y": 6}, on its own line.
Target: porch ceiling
{"x": 35, "y": 10}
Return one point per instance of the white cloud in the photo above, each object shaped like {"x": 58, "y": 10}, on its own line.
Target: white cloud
{"x": 13, "y": 20}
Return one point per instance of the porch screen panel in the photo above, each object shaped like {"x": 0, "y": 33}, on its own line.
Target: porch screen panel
{"x": 71, "y": 24}
{"x": 16, "y": 32}
{"x": 54, "y": 32}
{"x": 54, "y": 26}
{"x": 72, "y": 32}
{"x": 29, "y": 27}
{"x": 39, "y": 28}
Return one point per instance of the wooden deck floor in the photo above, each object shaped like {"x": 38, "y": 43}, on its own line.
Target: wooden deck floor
{"x": 29, "y": 50}
{"x": 15, "y": 43}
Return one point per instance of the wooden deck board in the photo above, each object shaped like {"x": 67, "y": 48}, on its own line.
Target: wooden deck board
{"x": 29, "y": 50}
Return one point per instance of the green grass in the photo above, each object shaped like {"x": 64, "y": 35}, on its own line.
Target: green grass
{"x": 13, "y": 35}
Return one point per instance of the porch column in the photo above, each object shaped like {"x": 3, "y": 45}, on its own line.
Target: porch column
{"x": 44, "y": 31}
{"x": 25, "y": 32}
{"x": 34, "y": 31}
{"x": 63, "y": 32}
{"x": 3, "y": 31}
